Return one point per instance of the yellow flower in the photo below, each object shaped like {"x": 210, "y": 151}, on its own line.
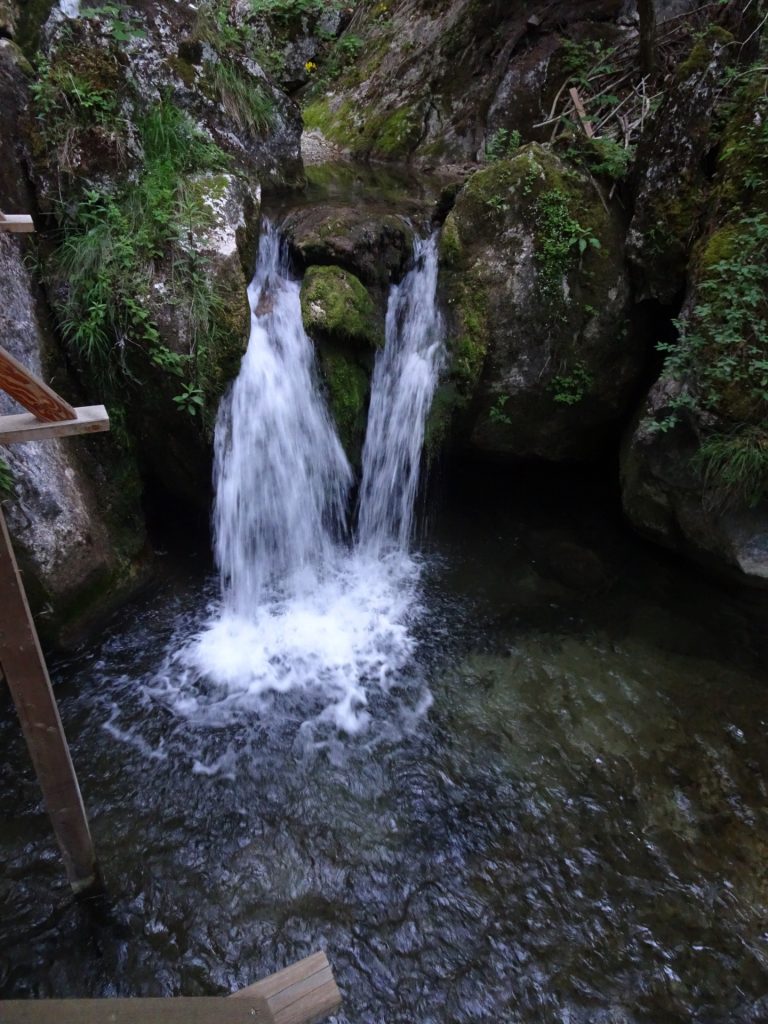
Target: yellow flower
{"x": 310, "y": 66}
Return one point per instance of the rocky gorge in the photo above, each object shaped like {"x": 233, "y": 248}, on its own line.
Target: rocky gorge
{"x": 602, "y": 248}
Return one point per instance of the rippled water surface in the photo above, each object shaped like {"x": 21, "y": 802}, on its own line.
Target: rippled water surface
{"x": 557, "y": 811}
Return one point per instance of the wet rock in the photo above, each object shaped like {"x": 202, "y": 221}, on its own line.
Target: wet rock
{"x": 542, "y": 357}
{"x": 665, "y": 498}
{"x": 347, "y": 326}
{"x": 375, "y": 247}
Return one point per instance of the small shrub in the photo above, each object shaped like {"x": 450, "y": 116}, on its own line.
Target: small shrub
{"x": 570, "y": 388}
{"x": 734, "y": 468}
{"x": 502, "y": 144}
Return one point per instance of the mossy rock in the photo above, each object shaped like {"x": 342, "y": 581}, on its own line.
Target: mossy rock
{"x": 335, "y": 304}
{"x": 533, "y": 278}
{"x": 347, "y": 387}
{"x": 376, "y": 246}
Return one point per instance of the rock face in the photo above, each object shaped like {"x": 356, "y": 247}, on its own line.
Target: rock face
{"x": 695, "y": 465}
{"x": 673, "y": 178}
{"x": 145, "y": 133}
{"x": 542, "y": 357}
{"x": 74, "y": 513}
{"x": 155, "y": 127}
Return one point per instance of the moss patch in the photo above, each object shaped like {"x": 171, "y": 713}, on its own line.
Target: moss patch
{"x": 335, "y": 304}
{"x": 347, "y": 385}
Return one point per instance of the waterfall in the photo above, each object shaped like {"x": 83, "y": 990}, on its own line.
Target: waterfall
{"x": 404, "y": 380}
{"x": 301, "y": 611}
{"x": 281, "y": 476}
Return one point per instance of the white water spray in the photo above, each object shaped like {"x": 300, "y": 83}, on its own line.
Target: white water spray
{"x": 301, "y": 612}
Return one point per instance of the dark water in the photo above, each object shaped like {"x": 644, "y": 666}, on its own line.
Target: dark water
{"x": 576, "y": 831}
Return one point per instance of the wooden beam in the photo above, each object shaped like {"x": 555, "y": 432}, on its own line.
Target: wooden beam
{"x": 23, "y": 426}
{"x": 202, "y": 1010}
{"x": 303, "y": 993}
{"x": 586, "y": 124}
{"x": 31, "y": 392}
{"x": 16, "y": 223}
{"x": 26, "y": 674}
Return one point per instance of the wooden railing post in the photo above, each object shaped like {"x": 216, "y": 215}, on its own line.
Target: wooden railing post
{"x": 25, "y": 672}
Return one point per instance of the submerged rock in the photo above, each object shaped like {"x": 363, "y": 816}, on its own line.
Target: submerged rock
{"x": 542, "y": 355}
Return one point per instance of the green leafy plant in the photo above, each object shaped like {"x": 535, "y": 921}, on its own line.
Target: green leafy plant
{"x": 496, "y": 413}
{"x": 502, "y": 144}
{"x": 110, "y": 240}
{"x": 570, "y": 388}
{"x": 585, "y": 60}
{"x": 601, "y": 156}
{"x": 722, "y": 348}
{"x": 561, "y": 238}
{"x": 7, "y": 482}
{"x": 191, "y": 400}
{"x": 119, "y": 22}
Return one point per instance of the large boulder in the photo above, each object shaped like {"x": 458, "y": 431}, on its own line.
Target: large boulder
{"x": 542, "y": 355}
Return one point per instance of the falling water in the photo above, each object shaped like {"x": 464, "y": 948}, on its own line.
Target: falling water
{"x": 301, "y": 611}
{"x": 403, "y": 386}
{"x": 281, "y": 476}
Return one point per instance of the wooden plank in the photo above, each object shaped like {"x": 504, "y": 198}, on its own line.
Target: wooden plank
{"x": 26, "y": 674}
{"x": 204, "y": 1010}
{"x": 16, "y": 223}
{"x": 586, "y": 124}
{"x": 31, "y": 392}
{"x": 303, "y": 993}
{"x": 23, "y": 426}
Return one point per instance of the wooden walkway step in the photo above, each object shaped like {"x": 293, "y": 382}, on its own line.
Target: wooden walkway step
{"x": 303, "y": 993}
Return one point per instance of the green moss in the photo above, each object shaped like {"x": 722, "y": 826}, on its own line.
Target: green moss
{"x": 32, "y": 16}
{"x": 447, "y": 401}
{"x": 335, "y": 304}
{"x": 700, "y": 57}
{"x": 467, "y": 350}
{"x": 450, "y": 243}
{"x": 347, "y": 385}
{"x": 186, "y": 71}
{"x": 339, "y": 124}
{"x": 391, "y": 134}
{"x": 395, "y": 134}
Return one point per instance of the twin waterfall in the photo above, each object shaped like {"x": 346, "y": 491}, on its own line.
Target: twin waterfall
{"x": 304, "y": 608}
